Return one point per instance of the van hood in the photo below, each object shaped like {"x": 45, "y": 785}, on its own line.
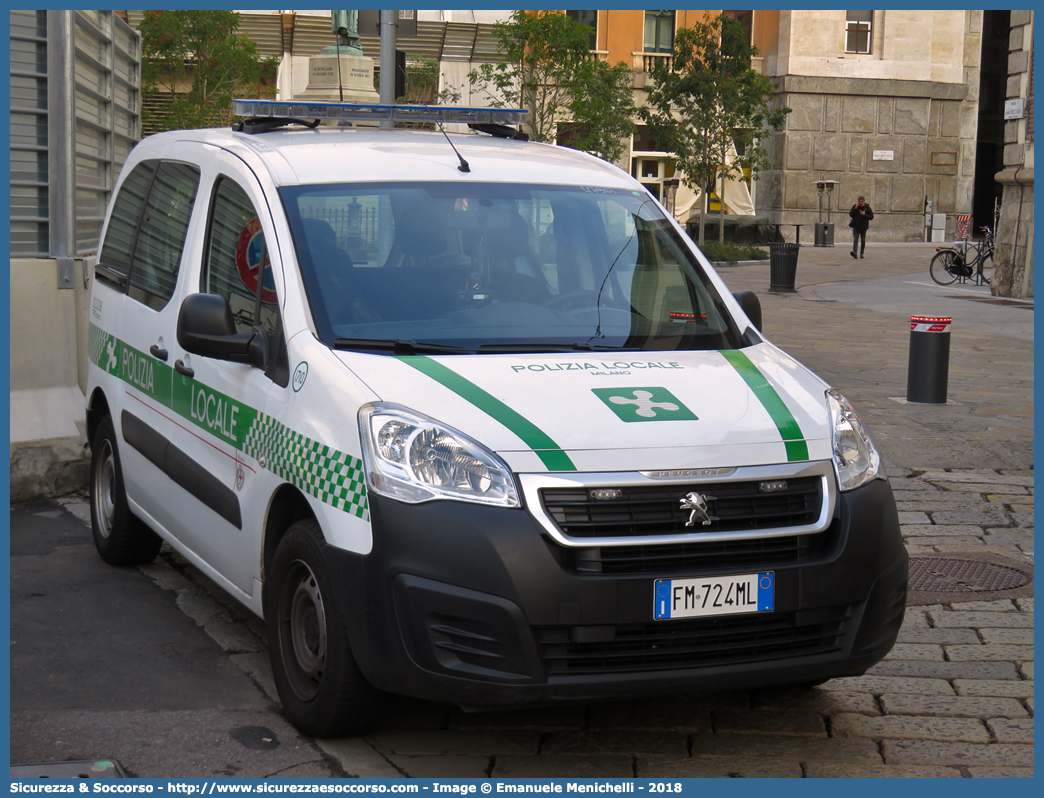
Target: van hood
{"x": 621, "y": 411}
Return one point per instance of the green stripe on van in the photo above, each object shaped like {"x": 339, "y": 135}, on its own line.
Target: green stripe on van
{"x": 335, "y": 478}
{"x": 549, "y": 452}
{"x": 781, "y": 416}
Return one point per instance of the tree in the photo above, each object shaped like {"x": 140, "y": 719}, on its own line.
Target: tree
{"x": 197, "y": 57}
{"x": 422, "y": 84}
{"x": 602, "y": 108}
{"x": 548, "y": 70}
{"x": 708, "y": 100}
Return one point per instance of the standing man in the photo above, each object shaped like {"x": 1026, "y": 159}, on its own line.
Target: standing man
{"x": 861, "y": 214}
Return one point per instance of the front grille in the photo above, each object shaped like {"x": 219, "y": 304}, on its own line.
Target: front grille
{"x": 716, "y": 555}
{"x": 646, "y": 510}
{"x": 692, "y": 643}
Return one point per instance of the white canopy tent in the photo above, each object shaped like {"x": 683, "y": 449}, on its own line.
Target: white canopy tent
{"x": 738, "y": 201}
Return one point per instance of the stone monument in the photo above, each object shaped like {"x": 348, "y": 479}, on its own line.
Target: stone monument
{"x": 341, "y": 71}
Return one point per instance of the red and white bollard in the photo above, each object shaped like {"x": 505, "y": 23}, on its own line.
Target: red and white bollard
{"x": 929, "y": 366}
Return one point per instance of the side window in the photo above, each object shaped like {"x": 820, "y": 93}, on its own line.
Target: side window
{"x": 161, "y": 234}
{"x": 233, "y": 259}
{"x": 116, "y": 250}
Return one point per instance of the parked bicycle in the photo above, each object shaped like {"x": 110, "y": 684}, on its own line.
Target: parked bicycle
{"x": 963, "y": 261}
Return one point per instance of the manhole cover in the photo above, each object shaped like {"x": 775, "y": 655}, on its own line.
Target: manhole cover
{"x": 959, "y": 578}
{"x": 85, "y": 769}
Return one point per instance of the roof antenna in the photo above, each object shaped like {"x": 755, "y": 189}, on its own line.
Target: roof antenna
{"x": 464, "y": 167}
{"x": 463, "y": 164}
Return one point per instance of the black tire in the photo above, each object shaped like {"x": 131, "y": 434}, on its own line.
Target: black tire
{"x": 120, "y": 537}
{"x": 943, "y": 268}
{"x": 323, "y": 692}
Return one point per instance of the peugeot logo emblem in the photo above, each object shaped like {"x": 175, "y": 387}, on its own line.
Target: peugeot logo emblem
{"x": 696, "y": 503}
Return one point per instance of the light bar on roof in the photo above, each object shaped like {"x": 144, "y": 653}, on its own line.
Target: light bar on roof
{"x": 359, "y": 112}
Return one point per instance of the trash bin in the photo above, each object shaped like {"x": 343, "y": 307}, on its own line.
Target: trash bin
{"x": 782, "y": 267}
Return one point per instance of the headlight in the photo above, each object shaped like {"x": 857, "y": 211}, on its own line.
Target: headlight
{"x": 855, "y": 457}
{"x": 414, "y": 459}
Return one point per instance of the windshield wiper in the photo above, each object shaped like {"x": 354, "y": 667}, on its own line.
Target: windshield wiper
{"x": 538, "y": 348}
{"x": 587, "y": 346}
{"x": 400, "y": 346}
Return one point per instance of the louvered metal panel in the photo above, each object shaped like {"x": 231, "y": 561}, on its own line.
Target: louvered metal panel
{"x": 487, "y": 47}
{"x": 428, "y": 42}
{"x": 311, "y": 34}
{"x": 265, "y": 30}
{"x": 460, "y": 41}
{"x": 451, "y": 41}
{"x": 63, "y": 166}
{"x": 28, "y": 158}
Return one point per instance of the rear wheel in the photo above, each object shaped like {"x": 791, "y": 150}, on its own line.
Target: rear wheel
{"x": 944, "y": 268}
{"x": 120, "y": 537}
{"x": 320, "y": 685}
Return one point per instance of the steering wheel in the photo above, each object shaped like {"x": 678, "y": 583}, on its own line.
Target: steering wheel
{"x": 573, "y": 300}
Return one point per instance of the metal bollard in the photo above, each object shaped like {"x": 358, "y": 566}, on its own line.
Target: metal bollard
{"x": 929, "y": 366}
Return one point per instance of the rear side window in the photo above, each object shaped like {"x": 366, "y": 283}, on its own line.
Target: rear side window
{"x": 161, "y": 234}
{"x": 235, "y": 257}
{"x": 118, "y": 246}
{"x": 147, "y": 230}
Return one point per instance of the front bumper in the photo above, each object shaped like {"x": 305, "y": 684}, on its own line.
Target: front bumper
{"x": 475, "y": 605}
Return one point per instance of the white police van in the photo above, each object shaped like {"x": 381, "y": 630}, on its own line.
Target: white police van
{"x": 469, "y": 418}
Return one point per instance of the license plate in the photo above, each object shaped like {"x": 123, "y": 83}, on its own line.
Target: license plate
{"x": 715, "y": 595}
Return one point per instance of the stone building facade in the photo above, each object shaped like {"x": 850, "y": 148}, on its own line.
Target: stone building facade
{"x": 896, "y": 123}
{"x": 1014, "y": 257}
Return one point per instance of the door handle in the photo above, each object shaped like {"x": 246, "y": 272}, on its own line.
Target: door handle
{"x": 181, "y": 368}
{"x": 157, "y": 352}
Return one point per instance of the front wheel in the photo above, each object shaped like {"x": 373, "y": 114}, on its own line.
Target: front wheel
{"x": 944, "y": 268}
{"x": 322, "y": 690}
{"x": 120, "y": 537}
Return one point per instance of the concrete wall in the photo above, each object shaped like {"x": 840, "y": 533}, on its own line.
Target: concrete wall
{"x": 913, "y": 100}
{"x": 48, "y": 379}
{"x": 1014, "y": 258}
{"x": 906, "y": 45}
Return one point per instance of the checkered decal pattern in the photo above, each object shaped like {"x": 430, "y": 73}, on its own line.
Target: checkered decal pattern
{"x": 97, "y": 345}
{"x": 333, "y": 477}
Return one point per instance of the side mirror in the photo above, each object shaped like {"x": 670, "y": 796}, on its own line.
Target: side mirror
{"x": 751, "y": 305}
{"x": 206, "y": 327}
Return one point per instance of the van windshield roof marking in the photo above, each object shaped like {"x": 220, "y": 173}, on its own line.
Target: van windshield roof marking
{"x": 550, "y": 453}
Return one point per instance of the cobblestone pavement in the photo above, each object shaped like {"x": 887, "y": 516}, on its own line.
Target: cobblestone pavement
{"x": 953, "y": 699}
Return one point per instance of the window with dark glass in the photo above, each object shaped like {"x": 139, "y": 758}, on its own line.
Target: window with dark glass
{"x": 147, "y": 229}
{"x": 643, "y": 141}
{"x": 659, "y": 31}
{"x": 859, "y": 31}
{"x": 236, "y": 259}
{"x": 745, "y": 19}
{"x": 118, "y": 245}
{"x": 162, "y": 232}
{"x": 589, "y": 18}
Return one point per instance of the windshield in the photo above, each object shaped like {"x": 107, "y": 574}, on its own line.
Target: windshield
{"x": 500, "y": 267}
